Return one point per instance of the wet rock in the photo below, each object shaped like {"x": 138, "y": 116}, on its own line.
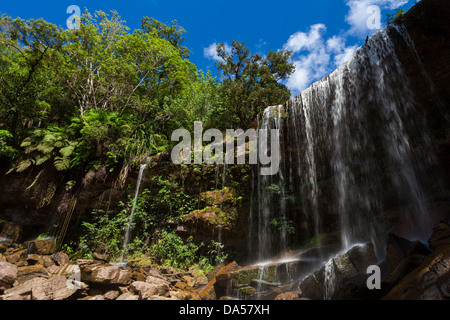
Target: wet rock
{"x": 441, "y": 235}
{"x": 263, "y": 278}
{"x": 429, "y": 281}
{"x": 8, "y": 274}
{"x": 396, "y": 250}
{"x": 349, "y": 267}
{"x": 208, "y": 292}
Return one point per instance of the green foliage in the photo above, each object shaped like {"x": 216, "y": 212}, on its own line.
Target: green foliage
{"x": 171, "y": 250}
{"x": 317, "y": 240}
{"x": 251, "y": 83}
{"x": 284, "y": 225}
{"x": 106, "y": 230}
{"x": 44, "y": 144}
{"x": 6, "y": 150}
{"x": 391, "y": 18}
{"x": 274, "y": 189}
{"x": 217, "y": 253}
{"x": 168, "y": 201}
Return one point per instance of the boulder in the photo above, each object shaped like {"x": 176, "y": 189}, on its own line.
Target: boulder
{"x": 348, "y": 267}
{"x": 60, "y": 258}
{"x": 151, "y": 287}
{"x": 42, "y": 246}
{"x": 8, "y": 274}
{"x": 111, "y": 295}
{"x": 100, "y": 273}
{"x": 100, "y": 257}
{"x": 56, "y": 288}
{"x": 23, "y": 291}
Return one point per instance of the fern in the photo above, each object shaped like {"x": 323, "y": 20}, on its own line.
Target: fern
{"x": 45, "y": 148}
{"x": 41, "y": 160}
{"x": 67, "y": 151}
{"x": 62, "y": 163}
{"x": 23, "y": 165}
{"x": 26, "y": 143}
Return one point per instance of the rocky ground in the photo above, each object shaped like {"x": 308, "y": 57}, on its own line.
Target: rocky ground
{"x": 34, "y": 271}
{"x": 412, "y": 270}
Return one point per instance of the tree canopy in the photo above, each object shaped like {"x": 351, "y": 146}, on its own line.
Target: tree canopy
{"x": 105, "y": 95}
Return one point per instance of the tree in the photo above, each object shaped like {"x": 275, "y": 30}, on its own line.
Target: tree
{"x": 25, "y": 47}
{"x": 173, "y": 34}
{"x": 252, "y": 82}
{"x": 391, "y": 18}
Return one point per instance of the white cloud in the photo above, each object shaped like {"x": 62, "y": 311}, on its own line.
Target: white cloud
{"x": 306, "y": 41}
{"x": 211, "y": 52}
{"x": 315, "y": 56}
{"x": 358, "y": 14}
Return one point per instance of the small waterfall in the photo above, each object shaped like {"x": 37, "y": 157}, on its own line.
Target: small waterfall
{"x": 268, "y": 230}
{"x": 130, "y": 222}
{"x": 353, "y": 145}
{"x": 330, "y": 279}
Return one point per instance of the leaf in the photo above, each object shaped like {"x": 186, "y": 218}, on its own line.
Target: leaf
{"x": 30, "y": 149}
{"x": 62, "y": 163}
{"x": 45, "y": 148}
{"x": 26, "y": 143}
{"x": 41, "y": 160}
{"x": 67, "y": 151}
{"x": 23, "y": 165}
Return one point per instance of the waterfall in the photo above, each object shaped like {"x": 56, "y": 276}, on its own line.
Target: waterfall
{"x": 353, "y": 145}
{"x": 133, "y": 209}
{"x": 267, "y": 222}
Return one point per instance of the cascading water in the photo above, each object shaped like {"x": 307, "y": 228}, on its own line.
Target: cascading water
{"x": 269, "y": 190}
{"x": 352, "y": 145}
{"x": 133, "y": 209}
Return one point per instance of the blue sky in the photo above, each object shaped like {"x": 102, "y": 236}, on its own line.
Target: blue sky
{"x": 322, "y": 33}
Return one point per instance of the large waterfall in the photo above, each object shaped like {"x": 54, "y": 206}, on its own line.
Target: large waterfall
{"x": 354, "y": 145}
